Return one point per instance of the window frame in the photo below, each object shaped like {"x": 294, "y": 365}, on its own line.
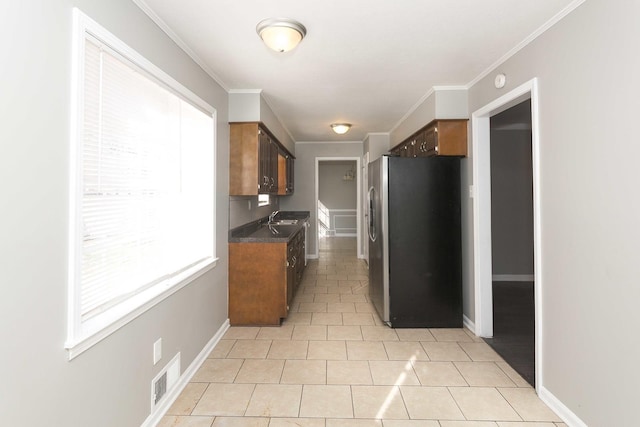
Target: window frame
{"x": 83, "y": 335}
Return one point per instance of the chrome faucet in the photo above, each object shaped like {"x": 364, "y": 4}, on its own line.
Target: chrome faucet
{"x": 273, "y": 216}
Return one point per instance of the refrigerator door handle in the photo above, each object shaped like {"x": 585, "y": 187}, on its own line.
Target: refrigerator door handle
{"x": 372, "y": 214}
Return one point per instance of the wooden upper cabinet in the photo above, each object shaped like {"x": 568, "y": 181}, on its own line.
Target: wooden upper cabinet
{"x": 438, "y": 138}
{"x": 282, "y": 174}
{"x": 254, "y": 160}
{"x": 285, "y": 174}
{"x": 450, "y": 138}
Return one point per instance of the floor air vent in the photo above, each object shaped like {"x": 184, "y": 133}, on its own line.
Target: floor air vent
{"x": 160, "y": 388}
{"x": 165, "y": 380}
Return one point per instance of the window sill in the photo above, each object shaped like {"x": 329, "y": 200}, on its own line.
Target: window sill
{"x": 103, "y": 325}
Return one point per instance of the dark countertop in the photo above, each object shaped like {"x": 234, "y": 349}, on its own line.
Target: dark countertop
{"x": 260, "y": 232}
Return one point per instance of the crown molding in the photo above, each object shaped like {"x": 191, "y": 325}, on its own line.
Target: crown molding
{"x": 517, "y": 48}
{"x": 177, "y": 40}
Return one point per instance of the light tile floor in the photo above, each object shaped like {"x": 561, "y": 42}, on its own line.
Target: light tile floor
{"x": 333, "y": 363}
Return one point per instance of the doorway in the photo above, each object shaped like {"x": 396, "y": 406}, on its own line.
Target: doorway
{"x": 482, "y": 216}
{"x": 337, "y": 198}
{"x": 512, "y": 239}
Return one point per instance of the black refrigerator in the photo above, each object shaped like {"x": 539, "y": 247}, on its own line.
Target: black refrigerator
{"x": 415, "y": 255}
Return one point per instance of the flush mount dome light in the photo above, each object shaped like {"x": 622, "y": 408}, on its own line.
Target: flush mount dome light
{"x": 281, "y": 34}
{"x": 341, "y": 128}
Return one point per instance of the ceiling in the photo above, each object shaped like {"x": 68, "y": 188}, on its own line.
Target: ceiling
{"x": 366, "y": 62}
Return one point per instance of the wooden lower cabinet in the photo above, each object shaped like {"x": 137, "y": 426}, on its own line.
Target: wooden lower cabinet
{"x": 263, "y": 279}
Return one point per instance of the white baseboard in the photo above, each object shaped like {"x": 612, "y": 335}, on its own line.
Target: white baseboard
{"x": 560, "y": 409}
{"x": 154, "y": 418}
{"x": 513, "y": 277}
{"x": 468, "y": 324}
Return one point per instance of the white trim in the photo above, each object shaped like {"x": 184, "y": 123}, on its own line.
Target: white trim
{"x": 177, "y": 40}
{"x": 413, "y": 109}
{"x": 482, "y": 215}
{"x": 277, "y": 116}
{"x": 151, "y": 297}
{"x": 513, "y": 278}
{"x": 338, "y": 230}
{"x": 172, "y": 369}
{"x": 452, "y": 87}
{"x": 369, "y": 134}
{"x": 81, "y": 336}
{"x": 468, "y": 323}
{"x": 517, "y": 48}
{"x": 85, "y": 24}
{"x": 356, "y": 159}
{"x": 534, "y": 35}
{"x": 570, "y": 418}
{"x": 242, "y": 90}
{"x": 154, "y": 418}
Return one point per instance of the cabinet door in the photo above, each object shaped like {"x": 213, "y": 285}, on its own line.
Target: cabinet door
{"x": 264, "y": 183}
{"x": 244, "y": 159}
{"x": 451, "y": 136}
{"x": 431, "y": 140}
{"x": 290, "y": 178}
{"x": 291, "y": 273}
{"x": 273, "y": 167}
{"x": 299, "y": 257}
{"x": 404, "y": 150}
{"x": 282, "y": 173}
{"x": 421, "y": 145}
{"x": 285, "y": 174}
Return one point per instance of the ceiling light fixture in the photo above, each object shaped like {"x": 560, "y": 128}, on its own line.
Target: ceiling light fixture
{"x": 341, "y": 128}
{"x": 281, "y": 34}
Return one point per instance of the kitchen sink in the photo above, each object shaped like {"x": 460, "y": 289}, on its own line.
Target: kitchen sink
{"x": 284, "y": 222}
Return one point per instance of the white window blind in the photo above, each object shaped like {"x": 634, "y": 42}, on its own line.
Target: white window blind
{"x": 144, "y": 200}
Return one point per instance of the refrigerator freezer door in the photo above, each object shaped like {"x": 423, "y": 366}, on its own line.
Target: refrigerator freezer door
{"x": 378, "y": 278}
{"x": 425, "y": 279}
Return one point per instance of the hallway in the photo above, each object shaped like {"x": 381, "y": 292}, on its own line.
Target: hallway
{"x": 332, "y": 363}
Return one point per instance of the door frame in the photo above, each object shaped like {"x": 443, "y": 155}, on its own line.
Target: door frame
{"x": 482, "y": 271}
{"x": 356, "y": 159}
{"x": 365, "y": 209}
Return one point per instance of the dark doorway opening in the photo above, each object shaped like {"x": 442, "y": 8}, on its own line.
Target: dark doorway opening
{"x": 512, "y": 239}
{"x": 514, "y": 326}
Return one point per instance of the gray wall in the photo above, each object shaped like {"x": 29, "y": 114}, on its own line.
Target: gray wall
{"x": 511, "y": 202}
{"x": 305, "y": 190}
{"x": 589, "y": 92}
{"x": 108, "y": 385}
{"x": 333, "y": 191}
{"x": 244, "y": 209}
{"x": 441, "y": 103}
{"x": 376, "y": 144}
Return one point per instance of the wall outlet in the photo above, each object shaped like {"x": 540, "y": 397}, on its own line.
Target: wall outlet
{"x": 157, "y": 351}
